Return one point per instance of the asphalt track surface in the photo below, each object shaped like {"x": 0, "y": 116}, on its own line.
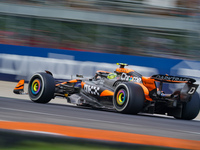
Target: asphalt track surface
{"x": 70, "y": 120}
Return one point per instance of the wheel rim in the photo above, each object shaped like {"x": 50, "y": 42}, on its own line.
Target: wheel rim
{"x": 35, "y": 87}
{"x": 121, "y": 97}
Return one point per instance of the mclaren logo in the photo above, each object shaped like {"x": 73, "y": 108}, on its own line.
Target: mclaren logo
{"x": 91, "y": 89}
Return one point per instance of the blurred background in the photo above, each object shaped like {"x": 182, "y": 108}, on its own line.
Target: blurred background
{"x": 155, "y": 28}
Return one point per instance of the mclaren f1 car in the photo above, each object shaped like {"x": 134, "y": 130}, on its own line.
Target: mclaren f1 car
{"x": 123, "y": 90}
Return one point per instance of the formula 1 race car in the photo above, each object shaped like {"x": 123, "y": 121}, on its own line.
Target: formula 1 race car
{"x": 124, "y": 90}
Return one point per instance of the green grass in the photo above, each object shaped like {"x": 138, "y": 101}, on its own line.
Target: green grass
{"x": 16, "y": 140}
{"x": 50, "y": 146}
{"x": 35, "y": 145}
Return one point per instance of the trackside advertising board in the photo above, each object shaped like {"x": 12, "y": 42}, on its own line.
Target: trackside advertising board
{"x": 17, "y": 62}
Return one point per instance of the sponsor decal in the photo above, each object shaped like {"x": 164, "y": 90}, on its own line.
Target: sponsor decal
{"x": 126, "y": 77}
{"x": 172, "y": 78}
{"x": 122, "y": 70}
{"x": 91, "y": 89}
{"x": 192, "y": 90}
{"x": 135, "y": 79}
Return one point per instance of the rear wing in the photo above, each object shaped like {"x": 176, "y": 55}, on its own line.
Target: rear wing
{"x": 185, "y": 93}
{"x": 172, "y": 79}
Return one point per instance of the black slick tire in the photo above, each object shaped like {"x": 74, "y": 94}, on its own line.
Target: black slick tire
{"x": 191, "y": 109}
{"x": 128, "y": 98}
{"x": 41, "y": 87}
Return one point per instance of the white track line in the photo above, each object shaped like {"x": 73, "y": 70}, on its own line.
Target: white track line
{"x": 94, "y": 120}
{"x": 41, "y": 132}
{"x": 65, "y": 116}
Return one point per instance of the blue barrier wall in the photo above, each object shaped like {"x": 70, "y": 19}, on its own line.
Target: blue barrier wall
{"x": 20, "y": 62}
{"x": 162, "y": 64}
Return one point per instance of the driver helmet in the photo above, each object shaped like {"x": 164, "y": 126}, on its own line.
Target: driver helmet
{"x": 111, "y": 75}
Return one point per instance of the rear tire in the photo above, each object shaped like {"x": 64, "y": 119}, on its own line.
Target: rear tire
{"x": 41, "y": 88}
{"x": 190, "y": 109}
{"x": 128, "y": 98}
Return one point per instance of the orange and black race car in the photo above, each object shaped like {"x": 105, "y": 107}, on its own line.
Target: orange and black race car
{"x": 124, "y": 90}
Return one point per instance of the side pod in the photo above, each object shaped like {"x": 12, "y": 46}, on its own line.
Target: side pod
{"x": 19, "y": 89}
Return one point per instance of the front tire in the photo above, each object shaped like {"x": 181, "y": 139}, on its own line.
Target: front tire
{"x": 128, "y": 98}
{"x": 41, "y": 88}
